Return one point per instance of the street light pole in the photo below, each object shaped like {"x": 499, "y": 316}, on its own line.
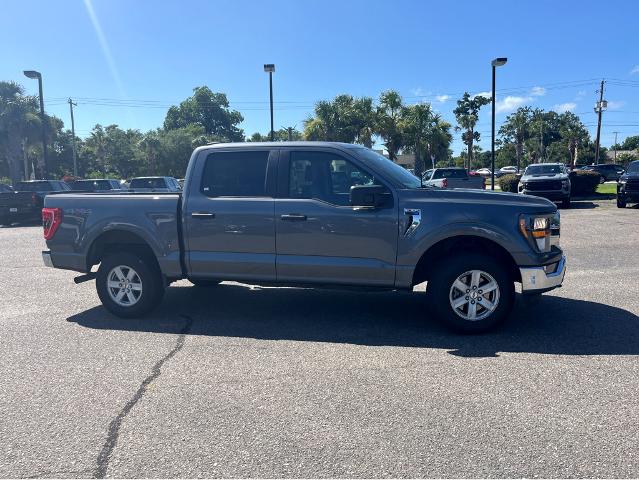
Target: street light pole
{"x": 37, "y": 75}
{"x": 498, "y": 62}
{"x": 270, "y": 68}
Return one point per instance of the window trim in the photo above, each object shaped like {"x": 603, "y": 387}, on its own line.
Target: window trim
{"x": 271, "y": 158}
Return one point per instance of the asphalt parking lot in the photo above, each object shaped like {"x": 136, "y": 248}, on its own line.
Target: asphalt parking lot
{"x": 243, "y": 381}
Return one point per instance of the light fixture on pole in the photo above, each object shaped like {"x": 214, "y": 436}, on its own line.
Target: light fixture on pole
{"x": 270, "y": 68}
{"x": 498, "y": 62}
{"x": 37, "y": 75}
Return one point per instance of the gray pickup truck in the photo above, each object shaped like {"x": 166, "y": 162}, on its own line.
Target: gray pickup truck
{"x": 452, "y": 178}
{"x": 313, "y": 214}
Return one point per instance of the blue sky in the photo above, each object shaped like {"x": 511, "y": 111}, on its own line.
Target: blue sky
{"x": 125, "y": 62}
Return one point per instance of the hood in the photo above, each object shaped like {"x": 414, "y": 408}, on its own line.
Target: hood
{"x": 524, "y": 203}
{"x": 628, "y": 176}
{"x": 544, "y": 176}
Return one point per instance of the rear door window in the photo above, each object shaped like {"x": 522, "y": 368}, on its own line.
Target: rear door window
{"x": 235, "y": 174}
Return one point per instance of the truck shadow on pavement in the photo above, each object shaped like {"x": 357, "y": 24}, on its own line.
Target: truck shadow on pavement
{"x": 545, "y": 325}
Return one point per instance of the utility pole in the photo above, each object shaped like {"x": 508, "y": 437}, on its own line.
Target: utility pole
{"x": 290, "y": 133}
{"x": 616, "y": 146}
{"x": 541, "y": 142}
{"x": 75, "y": 157}
{"x": 599, "y": 108}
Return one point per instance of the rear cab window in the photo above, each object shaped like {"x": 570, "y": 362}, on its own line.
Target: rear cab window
{"x": 235, "y": 174}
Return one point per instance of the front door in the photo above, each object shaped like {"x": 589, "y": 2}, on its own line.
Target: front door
{"x": 228, "y": 217}
{"x": 320, "y": 237}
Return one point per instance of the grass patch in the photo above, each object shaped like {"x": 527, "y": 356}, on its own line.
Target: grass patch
{"x": 607, "y": 188}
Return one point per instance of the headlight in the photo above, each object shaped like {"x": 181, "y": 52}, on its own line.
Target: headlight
{"x": 539, "y": 230}
{"x": 623, "y": 181}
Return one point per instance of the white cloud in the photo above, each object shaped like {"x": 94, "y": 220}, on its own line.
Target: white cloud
{"x": 565, "y": 107}
{"x": 634, "y": 70}
{"x": 442, "y": 98}
{"x": 419, "y": 92}
{"x": 580, "y": 94}
{"x": 483, "y": 94}
{"x": 616, "y": 104}
{"x": 511, "y": 103}
{"x": 538, "y": 91}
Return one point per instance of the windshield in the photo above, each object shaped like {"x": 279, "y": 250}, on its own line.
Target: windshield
{"x": 633, "y": 167}
{"x": 389, "y": 169}
{"x": 33, "y": 187}
{"x": 544, "y": 170}
{"x": 148, "y": 183}
{"x": 450, "y": 173}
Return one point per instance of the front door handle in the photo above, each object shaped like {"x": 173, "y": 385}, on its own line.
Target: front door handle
{"x": 293, "y": 217}
{"x": 203, "y": 215}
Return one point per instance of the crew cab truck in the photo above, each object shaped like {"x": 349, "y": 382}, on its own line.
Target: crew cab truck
{"x": 310, "y": 213}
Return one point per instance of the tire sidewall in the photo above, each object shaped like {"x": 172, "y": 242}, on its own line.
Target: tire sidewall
{"x": 152, "y": 286}
{"x": 447, "y": 272}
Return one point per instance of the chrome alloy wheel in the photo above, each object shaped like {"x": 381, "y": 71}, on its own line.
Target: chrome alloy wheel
{"x": 124, "y": 285}
{"x": 474, "y": 295}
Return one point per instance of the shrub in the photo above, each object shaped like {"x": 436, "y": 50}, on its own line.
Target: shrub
{"x": 583, "y": 182}
{"x": 508, "y": 183}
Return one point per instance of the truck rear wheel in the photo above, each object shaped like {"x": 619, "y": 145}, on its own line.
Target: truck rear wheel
{"x": 621, "y": 202}
{"x": 129, "y": 285}
{"x": 471, "y": 293}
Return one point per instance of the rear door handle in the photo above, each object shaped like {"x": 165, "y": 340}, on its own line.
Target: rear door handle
{"x": 203, "y": 215}
{"x": 292, "y": 217}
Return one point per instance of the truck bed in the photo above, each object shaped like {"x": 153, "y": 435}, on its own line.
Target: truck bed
{"x": 151, "y": 217}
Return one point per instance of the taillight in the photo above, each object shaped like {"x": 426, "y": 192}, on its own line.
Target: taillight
{"x": 445, "y": 183}
{"x": 51, "y": 219}
{"x": 34, "y": 199}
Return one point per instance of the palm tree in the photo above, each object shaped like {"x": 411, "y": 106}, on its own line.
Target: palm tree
{"x": 389, "y": 116}
{"x": 516, "y": 129}
{"x": 18, "y": 122}
{"x": 467, "y": 115}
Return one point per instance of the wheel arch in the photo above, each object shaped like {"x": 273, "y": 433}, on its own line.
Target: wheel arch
{"x": 443, "y": 249}
{"x": 118, "y": 241}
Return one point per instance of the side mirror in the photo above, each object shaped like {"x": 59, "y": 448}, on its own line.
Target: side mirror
{"x": 371, "y": 196}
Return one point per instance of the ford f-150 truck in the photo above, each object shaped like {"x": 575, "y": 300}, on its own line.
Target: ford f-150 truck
{"x": 452, "y": 178}
{"x": 310, "y": 213}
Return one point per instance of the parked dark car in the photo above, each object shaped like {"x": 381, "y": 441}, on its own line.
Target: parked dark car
{"x": 607, "y": 171}
{"x": 5, "y": 188}
{"x": 96, "y": 185}
{"x": 25, "y": 202}
{"x": 628, "y": 185}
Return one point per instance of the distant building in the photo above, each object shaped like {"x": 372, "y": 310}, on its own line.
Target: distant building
{"x": 610, "y": 154}
{"x": 406, "y": 160}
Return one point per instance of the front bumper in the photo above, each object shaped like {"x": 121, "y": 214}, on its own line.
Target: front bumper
{"x": 46, "y": 258}
{"x": 536, "y": 280}
{"x": 549, "y": 194}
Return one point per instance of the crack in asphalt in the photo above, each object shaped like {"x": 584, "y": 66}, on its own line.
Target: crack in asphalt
{"x": 102, "y": 462}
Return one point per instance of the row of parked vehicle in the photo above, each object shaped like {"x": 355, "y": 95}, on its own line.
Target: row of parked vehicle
{"x": 24, "y": 201}
{"x": 547, "y": 180}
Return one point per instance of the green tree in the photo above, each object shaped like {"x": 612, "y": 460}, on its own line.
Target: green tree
{"x": 630, "y": 143}
{"x": 467, "y": 115}
{"x": 209, "y": 110}
{"x": 281, "y": 135}
{"x": 573, "y": 133}
{"x": 517, "y": 130}
{"x": 425, "y": 134}
{"x": 19, "y": 122}
{"x": 343, "y": 119}
{"x": 388, "y": 119}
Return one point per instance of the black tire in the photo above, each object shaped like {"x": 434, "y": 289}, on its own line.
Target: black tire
{"x": 440, "y": 289}
{"x": 150, "y": 278}
{"x": 565, "y": 203}
{"x": 203, "y": 283}
{"x": 621, "y": 202}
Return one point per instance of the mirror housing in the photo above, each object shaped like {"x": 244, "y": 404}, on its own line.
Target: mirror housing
{"x": 371, "y": 196}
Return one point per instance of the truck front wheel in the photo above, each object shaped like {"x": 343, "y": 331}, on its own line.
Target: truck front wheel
{"x": 471, "y": 293}
{"x": 129, "y": 285}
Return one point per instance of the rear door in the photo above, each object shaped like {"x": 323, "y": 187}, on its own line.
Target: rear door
{"x": 320, "y": 237}
{"x": 228, "y": 215}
